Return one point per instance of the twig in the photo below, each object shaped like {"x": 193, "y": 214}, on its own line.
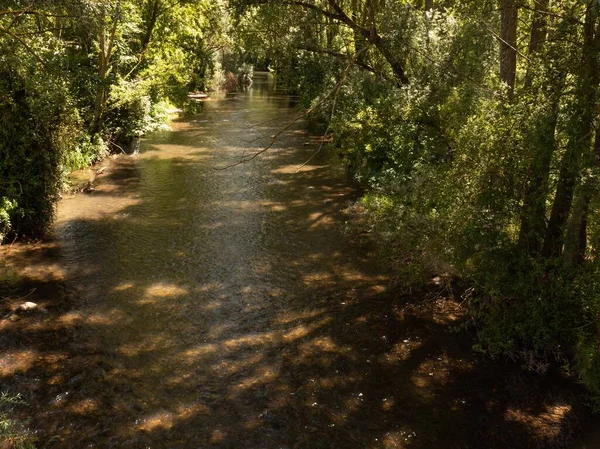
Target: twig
{"x": 118, "y": 146}
{"x": 14, "y": 182}
{"x": 330, "y": 52}
{"x": 323, "y": 138}
{"x": 304, "y": 114}
{"x": 265, "y": 149}
{"x": 500, "y": 39}
{"x": 20, "y": 12}
{"x": 262, "y": 123}
{"x": 584, "y": 326}
{"x": 548, "y": 13}
{"x": 256, "y": 139}
{"x": 10, "y": 298}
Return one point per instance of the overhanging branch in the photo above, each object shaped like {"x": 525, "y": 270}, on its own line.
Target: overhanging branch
{"x": 327, "y": 51}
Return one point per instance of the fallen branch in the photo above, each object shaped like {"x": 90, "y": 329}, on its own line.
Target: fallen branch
{"x": 323, "y": 138}
{"x": 18, "y": 298}
{"x": 334, "y": 91}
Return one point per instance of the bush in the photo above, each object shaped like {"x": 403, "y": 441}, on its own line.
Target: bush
{"x": 37, "y": 130}
{"x": 7, "y": 208}
{"x": 86, "y": 151}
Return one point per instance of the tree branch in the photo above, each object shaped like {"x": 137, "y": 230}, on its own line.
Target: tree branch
{"x": 327, "y": 51}
{"x": 24, "y": 44}
{"x": 317, "y": 9}
{"x": 22, "y": 12}
{"x": 333, "y": 91}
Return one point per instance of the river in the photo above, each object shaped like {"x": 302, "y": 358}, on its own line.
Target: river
{"x": 206, "y": 290}
{"x": 192, "y": 306}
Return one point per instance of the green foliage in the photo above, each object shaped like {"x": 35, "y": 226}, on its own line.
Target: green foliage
{"x": 81, "y": 78}
{"x": 7, "y": 208}
{"x": 86, "y": 151}
{"x": 464, "y": 174}
{"x": 12, "y": 431}
{"x": 35, "y": 132}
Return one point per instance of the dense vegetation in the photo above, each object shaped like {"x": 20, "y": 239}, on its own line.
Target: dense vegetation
{"x": 474, "y": 127}
{"x": 81, "y": 78}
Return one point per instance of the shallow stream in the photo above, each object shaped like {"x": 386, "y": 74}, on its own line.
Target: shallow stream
{"x": 189, "y": 306}
{"x": 208, "y": 292}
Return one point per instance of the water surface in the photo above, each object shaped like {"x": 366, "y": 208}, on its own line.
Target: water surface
{"x": 208, "y": 294}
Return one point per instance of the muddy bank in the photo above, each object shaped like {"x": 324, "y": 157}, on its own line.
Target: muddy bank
{"x": 194, "y": 307}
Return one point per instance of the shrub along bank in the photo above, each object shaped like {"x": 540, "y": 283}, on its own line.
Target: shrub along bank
{"x": 474, "y": 127}
{"x": 80, "y": 79}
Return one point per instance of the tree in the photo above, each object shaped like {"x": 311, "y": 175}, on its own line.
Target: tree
{"x": 363, "y": 18}
{"x": 581, "y": 131}
{"x": 474, "y": 129}
{"x": 80, "y": 76}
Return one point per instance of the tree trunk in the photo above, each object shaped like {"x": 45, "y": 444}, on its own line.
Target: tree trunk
{"x": 533, "y": 218}
{"x": 360, "y": 40}
{"x": 150, "y": 21}
{"x": 579, "y": 141}
{"x": 395, "y": 64}
{"x": 576, "y": 234}
{"x": 539, "y": 25}
{"x": 102, "y": 69}
{"x": 508, "y": 44}
{"x": 106, "y": 44}
{"x": 539, "y": 31}
{"x": 541, "y": 137}
{"x": 372, "y": 36}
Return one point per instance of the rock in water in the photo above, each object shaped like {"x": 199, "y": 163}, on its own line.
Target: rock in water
{"x": 27, "y": 307}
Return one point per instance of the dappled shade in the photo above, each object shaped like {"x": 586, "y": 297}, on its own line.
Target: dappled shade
{"x": 225, "y": 308}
